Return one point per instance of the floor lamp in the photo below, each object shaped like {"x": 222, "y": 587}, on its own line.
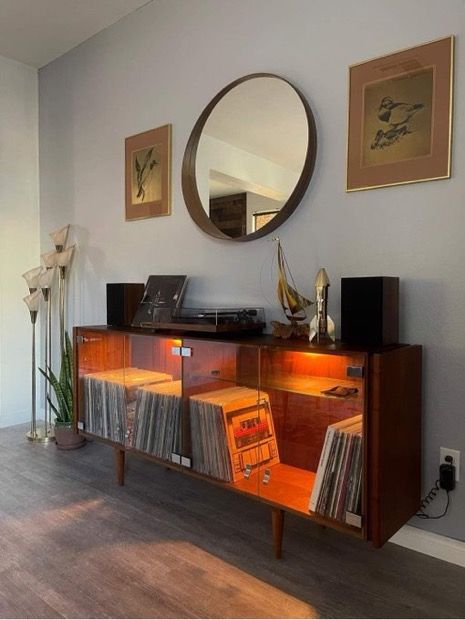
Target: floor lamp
{"x": 45, "y": 284}
{"x": 63, "y": 260}
{"x": 33, "y": 301}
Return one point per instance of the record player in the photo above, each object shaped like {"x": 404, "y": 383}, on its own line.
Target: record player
{"x": 161, "y": 309}
{"x": 244, "y": 320}
{"x": 220, "y": 320}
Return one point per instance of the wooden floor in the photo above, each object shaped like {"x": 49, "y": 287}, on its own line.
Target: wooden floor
{"x": 73, "y": 544}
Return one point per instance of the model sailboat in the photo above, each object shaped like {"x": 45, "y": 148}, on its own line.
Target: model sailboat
{"x": 293, "y": 303}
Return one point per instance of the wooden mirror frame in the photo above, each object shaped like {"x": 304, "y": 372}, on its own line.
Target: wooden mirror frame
{"x": 189, "y": 182}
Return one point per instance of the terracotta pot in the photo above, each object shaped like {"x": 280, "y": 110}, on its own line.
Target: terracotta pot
{"x": 67, "y": 439}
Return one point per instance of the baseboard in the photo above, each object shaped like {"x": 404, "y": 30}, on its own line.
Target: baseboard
{"x": 429, "y": 543}
{"x": 11, "y": 419}
{"x": 19, "y": 417}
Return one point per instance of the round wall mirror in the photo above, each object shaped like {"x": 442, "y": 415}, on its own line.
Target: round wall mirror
{"x": 249, "y": 158}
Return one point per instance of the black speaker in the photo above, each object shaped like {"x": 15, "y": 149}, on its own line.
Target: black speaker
{"x": 122, "y": 303}
{"x": 370, "y": 310}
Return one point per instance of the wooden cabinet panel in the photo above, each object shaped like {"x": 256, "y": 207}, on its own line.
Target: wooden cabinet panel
{"x": 393, "y": 441}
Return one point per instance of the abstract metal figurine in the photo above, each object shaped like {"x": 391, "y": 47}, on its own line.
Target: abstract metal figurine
{"x": 322, "y": 326}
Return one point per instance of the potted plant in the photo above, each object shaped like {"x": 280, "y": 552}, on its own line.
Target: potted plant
{"x": 65, "y": 435}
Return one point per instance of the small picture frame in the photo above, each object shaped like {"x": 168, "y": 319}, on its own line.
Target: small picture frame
{"x": 400, "y": 117}
{"x": 260, "y": 218}
{"x": 148, "y": 174}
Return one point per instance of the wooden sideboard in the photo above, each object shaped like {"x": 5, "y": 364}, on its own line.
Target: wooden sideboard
{"x": 252, "y": 414}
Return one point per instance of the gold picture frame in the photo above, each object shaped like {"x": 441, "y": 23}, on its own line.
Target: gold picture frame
{"x": 400, "y": 117}
{"x": 148, "y": 174}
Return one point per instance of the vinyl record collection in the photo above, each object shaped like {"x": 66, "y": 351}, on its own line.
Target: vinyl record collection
{"x": 337, "y": 489}
{"x": 231, "y": 429}
{"x": 111, "y": 397}
{"x": 157, "y": 422}
{"x": 232, "y": 432}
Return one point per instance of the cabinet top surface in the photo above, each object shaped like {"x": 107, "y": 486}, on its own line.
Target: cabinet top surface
{"x": 257, "y": 340}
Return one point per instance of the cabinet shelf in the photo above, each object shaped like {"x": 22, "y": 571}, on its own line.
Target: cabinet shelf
{"x": 289, "y": 486}
{"x": 309, "y": 385}
{"x": 297, "y": 384}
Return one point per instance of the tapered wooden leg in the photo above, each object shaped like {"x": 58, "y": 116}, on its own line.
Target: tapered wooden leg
{"x": 120, "y": 454}
{"x": 277, "y": 521}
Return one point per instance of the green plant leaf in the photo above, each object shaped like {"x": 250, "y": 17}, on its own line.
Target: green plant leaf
{"x": 55, "y": 410}
{"x": 62, "y": 385}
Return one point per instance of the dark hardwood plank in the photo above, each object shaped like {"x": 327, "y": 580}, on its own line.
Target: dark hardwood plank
{"x": 75, "y": 544}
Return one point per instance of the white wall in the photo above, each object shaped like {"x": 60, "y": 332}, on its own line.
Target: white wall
{"x": 163, "y": 64}
{"x": 249, "y": 172}
{"x": 19, "y": 233}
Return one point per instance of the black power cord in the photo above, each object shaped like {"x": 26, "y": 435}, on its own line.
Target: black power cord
{"x": 445, "y": 481}
{"x": 426, "y": 501}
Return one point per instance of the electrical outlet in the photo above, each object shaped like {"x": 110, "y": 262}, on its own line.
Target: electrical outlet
{"x": 455, "y": 454}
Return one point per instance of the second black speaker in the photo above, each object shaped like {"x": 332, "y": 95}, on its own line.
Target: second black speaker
{"x": 370, "y": 310}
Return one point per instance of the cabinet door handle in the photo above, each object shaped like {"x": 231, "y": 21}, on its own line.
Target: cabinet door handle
{"x": 247, "y": 471}
{"x": 266, "y": 476}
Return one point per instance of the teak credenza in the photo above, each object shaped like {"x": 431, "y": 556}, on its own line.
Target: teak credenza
{"x": 252, "y": 414}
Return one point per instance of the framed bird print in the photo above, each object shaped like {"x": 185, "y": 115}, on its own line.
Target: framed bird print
{"x": 148, "y": 174}
{"x": 400, "y": 117}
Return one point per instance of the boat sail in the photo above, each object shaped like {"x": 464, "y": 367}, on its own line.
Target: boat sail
{"x": 292, "y": 302}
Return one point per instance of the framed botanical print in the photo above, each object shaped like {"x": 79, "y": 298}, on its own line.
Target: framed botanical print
{"x": 400, "y": 117}
{"x": 148, "y": 174}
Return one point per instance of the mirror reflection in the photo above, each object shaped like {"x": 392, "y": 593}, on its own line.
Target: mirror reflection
{"x": 251, "y": 154}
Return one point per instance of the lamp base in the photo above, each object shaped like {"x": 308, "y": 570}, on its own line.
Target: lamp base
{"x": 40, "y": 436}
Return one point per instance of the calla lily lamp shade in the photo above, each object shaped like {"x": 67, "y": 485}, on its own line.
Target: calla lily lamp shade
{"x": 59, "y": 237}
{"x": 32, "y": 278}
{"x": 50, "y": 259}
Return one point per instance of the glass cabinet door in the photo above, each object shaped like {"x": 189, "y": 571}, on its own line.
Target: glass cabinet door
{"x": 222, "y": 421}
{"x": 101, "y": 362}
{"x": 153, "y": 395}
{"x": 316, "y": 403}
{"x": 130, "y": 390}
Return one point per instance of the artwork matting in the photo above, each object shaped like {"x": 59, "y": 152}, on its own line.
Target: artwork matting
{"x": 400, "y": 117}
{"x": 148, "y": 173}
